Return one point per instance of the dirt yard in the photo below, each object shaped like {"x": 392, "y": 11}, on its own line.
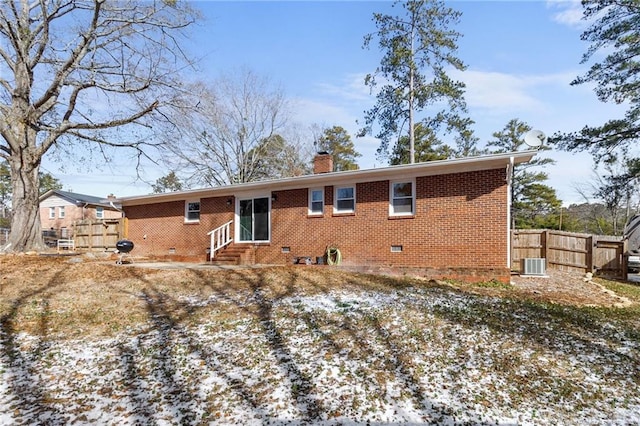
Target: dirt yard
{"x": 569, "y": 288}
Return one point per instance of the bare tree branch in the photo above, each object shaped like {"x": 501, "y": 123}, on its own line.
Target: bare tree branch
{"x": 76, "y": 71}
{"x": 225, "y": 136}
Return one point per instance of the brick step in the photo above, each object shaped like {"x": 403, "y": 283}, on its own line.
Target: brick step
{"x": 235, "y": 261}
{"x": 234, "y": 249}
{"x": 230, "y": 255}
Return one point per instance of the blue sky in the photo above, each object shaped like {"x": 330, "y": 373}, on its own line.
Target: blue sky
{"x": 521, "y": 57}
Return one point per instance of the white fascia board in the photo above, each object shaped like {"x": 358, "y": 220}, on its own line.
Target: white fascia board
{"x": 430, "y": 168}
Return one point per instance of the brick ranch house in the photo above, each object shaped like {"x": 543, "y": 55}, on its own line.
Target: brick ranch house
{"x": 440, "y": 219}
{"x": 59, "y": 210}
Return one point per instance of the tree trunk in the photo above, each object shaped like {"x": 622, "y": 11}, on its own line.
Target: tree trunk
{"x": 26, "y": 234}
{"x": 412, "y": 132}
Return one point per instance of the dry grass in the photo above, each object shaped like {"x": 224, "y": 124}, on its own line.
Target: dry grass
{"x": 69, "y": 299}
{"x": 63, "y": 298}
{"x": 309, "y": 344}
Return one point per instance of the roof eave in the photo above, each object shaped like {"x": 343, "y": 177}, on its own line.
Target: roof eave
{"x": 430, "y": 168}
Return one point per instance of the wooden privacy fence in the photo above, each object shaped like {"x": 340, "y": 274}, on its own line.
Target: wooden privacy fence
{"x": 4, "y": 236}
{"x": 103, "y": 234}
{"x": 568, "y": 251}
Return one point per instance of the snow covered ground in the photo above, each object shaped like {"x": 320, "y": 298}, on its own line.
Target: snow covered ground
{"x": 411, "y": 356}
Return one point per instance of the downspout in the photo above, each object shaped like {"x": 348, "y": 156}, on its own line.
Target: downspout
{"x": 125, "y": 228}
{"x": 509, "y": 201}
{"x": 116, "y": 208}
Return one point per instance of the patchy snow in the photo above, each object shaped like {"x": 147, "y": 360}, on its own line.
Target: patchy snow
{"x": 413, "y": 356}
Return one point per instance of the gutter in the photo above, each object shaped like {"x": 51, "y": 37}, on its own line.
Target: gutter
{"x": 430, "y": 168}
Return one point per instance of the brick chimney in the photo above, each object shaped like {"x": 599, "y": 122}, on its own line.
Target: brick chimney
{"x": 323, "y": 163}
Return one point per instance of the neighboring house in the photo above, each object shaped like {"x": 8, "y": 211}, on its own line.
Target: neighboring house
{"x": 441, "y": 218}
{"x": 60, "y": 209}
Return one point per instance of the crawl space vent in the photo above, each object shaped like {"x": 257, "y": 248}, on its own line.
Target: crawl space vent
{"x": 535, "y": 266}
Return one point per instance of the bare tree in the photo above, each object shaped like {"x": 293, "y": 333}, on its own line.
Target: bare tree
{"x": 223, "y": 136}
{"x": 615, "y": 198}
{"x": 72, "y": 71}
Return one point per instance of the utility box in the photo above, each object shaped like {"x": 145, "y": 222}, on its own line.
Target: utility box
{"x": 535, "y": 266}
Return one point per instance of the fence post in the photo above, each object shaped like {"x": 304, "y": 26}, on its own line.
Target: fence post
{"x": 591, "y": 243}
{"x": 545, "y": 246}
{"x": 90, "y": 235}
{"x": 125, "y": 227}
{"x": 512, "y": 240}
{"x": 105, "y": 227}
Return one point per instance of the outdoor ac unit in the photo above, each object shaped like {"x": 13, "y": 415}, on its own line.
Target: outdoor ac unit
{"x": 535, "y": 266}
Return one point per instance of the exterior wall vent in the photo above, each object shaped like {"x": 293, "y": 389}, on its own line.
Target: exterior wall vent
{"x": 535, "y": 266}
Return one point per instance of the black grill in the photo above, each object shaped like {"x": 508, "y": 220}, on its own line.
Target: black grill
{"x": 124, "y": 246}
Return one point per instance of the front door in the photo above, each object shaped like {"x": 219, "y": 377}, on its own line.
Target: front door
{"x": 254, "y": 219}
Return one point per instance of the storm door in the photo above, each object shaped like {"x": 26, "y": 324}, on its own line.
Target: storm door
{"x": 254, "y": 219}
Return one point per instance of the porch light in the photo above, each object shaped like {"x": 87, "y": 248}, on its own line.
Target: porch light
{"x": 228, "y": 201}
{"x": 274, "y": 197}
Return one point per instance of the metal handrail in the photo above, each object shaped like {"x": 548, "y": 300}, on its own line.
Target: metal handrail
{"x": 220, "y": 238}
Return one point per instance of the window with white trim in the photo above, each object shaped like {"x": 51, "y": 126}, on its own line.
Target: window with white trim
{"x": 192, "y": 211}
{"x": 402, "y": 198}
{"x": 52, "y": 212}
{"x": 99, "y": 212}
{"x": 345, "y": 199}
{"x": 316, "y": 201}
{"x": 61, "y": 212}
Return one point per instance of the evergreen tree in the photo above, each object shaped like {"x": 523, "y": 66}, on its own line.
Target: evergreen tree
{"x": 418, "y": 46}
{"x": 168, "y": 183}
{"x": 530, "y": 197}
{"x": 48, "y": 182}
{"x": 427, "y": 148}
{"x": 337, "y": 142}
{"x": 466, "y": 140}
{"x": 614, "y": 32}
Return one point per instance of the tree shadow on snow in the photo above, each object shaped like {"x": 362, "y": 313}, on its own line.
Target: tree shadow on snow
{"x": 165, "y": 364}
{"x": 28, "y": 392}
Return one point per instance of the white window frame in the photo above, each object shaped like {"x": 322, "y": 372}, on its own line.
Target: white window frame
{"x": 311, "y": 201}
{"x": 392, "y": 211}
{"x": 337, "y": 189}
{"x": 99, "y": 212}
{"x": 52, "y": 212}
{"x": 61, "y": 212}
{"x": 187, "y": 211}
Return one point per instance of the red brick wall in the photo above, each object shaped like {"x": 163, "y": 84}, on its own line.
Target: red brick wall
{"x": 164, "y": 228}
{"x": 460, "y": 223}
